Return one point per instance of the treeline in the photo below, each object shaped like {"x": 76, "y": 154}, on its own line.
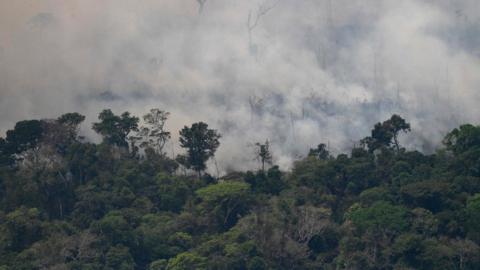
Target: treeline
{"x": 66, "y": 203}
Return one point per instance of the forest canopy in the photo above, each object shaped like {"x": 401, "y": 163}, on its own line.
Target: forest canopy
{"x": 67, "y": 203}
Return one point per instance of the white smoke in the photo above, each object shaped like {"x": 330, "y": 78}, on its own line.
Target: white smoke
{"x": 312, "y": 71}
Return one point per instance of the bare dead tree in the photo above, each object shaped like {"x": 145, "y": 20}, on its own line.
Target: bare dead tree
{"x": 216, "y": 167}
{"x": 256, "y": 105}
{"x": 292, "y": 124}
{"x": 254, "y": 18}
{"x": 329, "y": 15}
{"x": 325, "y": 33}
{"x": 375, "y": 69}
{"x": 153, "y": 134}
{"x": 311, "y": 221}
{"x": 201, "y": 4}
{"x": 307, "y": 102}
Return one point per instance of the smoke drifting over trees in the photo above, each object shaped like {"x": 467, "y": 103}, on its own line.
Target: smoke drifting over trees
{"x": 314, "y": 70}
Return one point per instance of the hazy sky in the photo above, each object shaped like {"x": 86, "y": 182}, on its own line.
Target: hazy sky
{"x": 309, "y": 71}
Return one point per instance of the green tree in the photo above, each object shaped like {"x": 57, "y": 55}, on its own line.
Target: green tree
{"x": 158, "y": 265}
{"x": 473, "y": 217}
{"x": 119, "y": 258}
{"x": 116, "y": 229}
{"x": 321, "y": 152}
{"x": 377, "y": 226}
{"x": 224, "y": 202}
{"x": 157, "y": 237}
{"x": 22, "y": 228}
{"x": 381, "y": 216}
{"x": 463, "y": 138}
{"x": 71, "y": 122}
{"x": 187, "y": 260}
{"x": 4, "y": 155}
{"x": 386, "y": 134}
{"x": 256, "y": 263}
{"x": 464, "y": 143}
{"x": 114, "y": 128}
{"x": 26, "y": 135}
{"x": 270, "y": 182}
{"x": 397, "y": 124}
{"x": 201, "y": 144}
{"x": 432, "y": 195}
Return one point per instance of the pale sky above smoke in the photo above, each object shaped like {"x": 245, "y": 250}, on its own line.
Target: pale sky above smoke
{"x": 314, "y": 71}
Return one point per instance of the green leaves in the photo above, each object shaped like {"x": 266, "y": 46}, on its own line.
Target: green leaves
{"x": 119, "y": 258}
{"x": 187, "y": 260}
{"x": 386, "y": 134}
{"x": 224, "y": 202}
{"x": 115, "y": 129}
{"x": 116, "y": 229}
{"x": 26, "y": 135}
{"x": 22, "y": 228}
{"x": 463, "y": 138}
{"x": 381, "y": 216}
{"x": 433, "y": 195}
{"x": 464, "y": 143}
{"x": 223, "y": 191}
{"x": 201, "y": 144}
{"x": 77, "y": 205}
{"x": 473, "y": 217}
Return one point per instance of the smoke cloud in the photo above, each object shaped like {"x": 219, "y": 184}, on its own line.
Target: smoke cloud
{"x": 299, "y": 72}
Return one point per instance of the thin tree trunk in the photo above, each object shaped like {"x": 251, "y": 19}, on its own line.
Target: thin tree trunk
{"x": 60, "y": 206}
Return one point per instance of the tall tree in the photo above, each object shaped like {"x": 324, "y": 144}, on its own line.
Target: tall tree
{"x": 71, "y": 121}
{"x": 26, "y": 134}
{"x": 397, "y": 124}
{"x": 4, "y": 156}
{"x": 153, "y": 133}
{"x": 224, "y": 202}
{"x": 263, "y": 153}
{"x": 201, "y": 144}
{"x": 114, "y": 128}
{"x": 253, "y": 20}
{"x": 462, "y": 139}
{"x": 386, "y": 134}
{"x": 62, "y": 132}
{"x": 473, "y": 217}
{"x": 321, "y": 152}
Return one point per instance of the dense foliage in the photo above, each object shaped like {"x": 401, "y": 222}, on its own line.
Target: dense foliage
{"x": 123, "y": 204}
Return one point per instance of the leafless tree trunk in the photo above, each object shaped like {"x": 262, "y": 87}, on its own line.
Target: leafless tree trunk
{"x": 201, "y": 4}
{"x": 256, "y": 106}
{"x": 252, "y": 22}
{"x": 216, "y": 167}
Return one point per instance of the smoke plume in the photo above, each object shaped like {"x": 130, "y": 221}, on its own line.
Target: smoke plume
{"x": 296, "y": 72}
